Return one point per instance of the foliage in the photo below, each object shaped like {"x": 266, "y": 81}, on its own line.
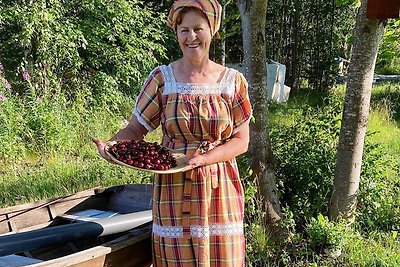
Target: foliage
{"x": 45, "y": 149}
{"x": 63, "y": 43}
{"x": 306, "y": 36}
{"x": 378, "y": 201}
{"x": 305, "y": 151}
{"x": 324, "y": 244}
{"x": 324, "y": 235}
{"x": 388, "y": 60}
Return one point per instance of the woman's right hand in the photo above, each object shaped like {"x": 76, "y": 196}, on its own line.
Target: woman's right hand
{"x": 101, "y": 148}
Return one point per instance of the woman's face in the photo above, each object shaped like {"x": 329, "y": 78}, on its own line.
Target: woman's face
{"x": 194, "y": 35}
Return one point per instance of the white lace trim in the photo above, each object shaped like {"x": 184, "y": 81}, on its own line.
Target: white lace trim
{"x": 226, "y": 229}
{"x": 226, "y": 86}
{"x": 142, "y": 122}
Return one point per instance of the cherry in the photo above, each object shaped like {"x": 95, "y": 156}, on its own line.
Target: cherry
{"x": 142, "y": 154}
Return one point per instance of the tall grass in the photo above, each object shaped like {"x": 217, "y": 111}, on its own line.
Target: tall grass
{"x": 384, "y": 119}
{"x": 46, "y": 150}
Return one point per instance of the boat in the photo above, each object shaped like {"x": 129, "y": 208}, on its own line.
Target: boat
{"x": 97, "y": 227}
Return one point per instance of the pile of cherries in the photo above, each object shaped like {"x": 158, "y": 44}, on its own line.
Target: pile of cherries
{"x": 144, "y": 155}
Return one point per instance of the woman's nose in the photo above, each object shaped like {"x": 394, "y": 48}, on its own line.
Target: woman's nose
{"x": 192, "y": 35}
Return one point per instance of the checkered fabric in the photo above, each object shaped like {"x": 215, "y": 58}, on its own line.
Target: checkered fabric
{"x": 211, "y": 8}
{"x": 197, "y": 215}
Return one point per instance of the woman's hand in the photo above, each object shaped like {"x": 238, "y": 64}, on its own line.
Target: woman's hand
{"x": 100, "y": 147}
{"x": 197, "y": 161}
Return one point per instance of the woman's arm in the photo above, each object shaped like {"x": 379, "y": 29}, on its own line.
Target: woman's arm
{"x": 133, "y": 131}
{"x": 237, "y": 145}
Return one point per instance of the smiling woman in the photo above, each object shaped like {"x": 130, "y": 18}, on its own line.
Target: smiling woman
{"x": 204, "y": 111}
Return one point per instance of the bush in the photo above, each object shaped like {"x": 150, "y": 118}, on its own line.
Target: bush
{"x": 306, "y": 152}
{"x": 324, "y": 236}
{"x": 62, "y": 44}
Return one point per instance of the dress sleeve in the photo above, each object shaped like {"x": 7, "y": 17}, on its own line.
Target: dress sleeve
{"x": 148, "y": 107}
{"x": 241, "y": 106}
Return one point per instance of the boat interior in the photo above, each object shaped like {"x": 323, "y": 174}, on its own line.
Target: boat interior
{"x": 74, "y": 221}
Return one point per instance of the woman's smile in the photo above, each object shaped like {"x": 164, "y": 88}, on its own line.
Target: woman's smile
{"x": 192, "y": 45}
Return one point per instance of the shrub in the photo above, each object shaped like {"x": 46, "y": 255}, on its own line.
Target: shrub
{"x": 324, "y": 236}
{"x": 62, "y": 44}
{"x": 306, "y": 151}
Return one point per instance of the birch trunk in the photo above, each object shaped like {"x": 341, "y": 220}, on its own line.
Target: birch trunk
{"x": 368, "y": 34}
{"x": 253, "y": 16}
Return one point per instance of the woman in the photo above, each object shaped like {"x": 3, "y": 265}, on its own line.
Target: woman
{"x": 204, "y": 111}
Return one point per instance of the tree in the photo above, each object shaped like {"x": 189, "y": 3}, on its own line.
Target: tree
{"x": 367, "y": 36}
{"x": 262, "y": 160}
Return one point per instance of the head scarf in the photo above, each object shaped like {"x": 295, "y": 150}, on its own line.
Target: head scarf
{"x": 211, "y": 8}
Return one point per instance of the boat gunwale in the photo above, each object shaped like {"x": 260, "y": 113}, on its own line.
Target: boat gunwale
{"x": 95, "y": 252}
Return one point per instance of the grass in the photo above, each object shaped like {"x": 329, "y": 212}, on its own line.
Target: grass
{"x": 384, "y": 117}
{"x": 40, "y": 170}
{"x": 377, "y": 249}
{"x": 384, "y": 120}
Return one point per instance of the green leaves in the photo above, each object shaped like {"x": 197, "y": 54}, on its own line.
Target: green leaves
{"x": 67, "y": 40}
{"x": 388, "y": 55}
{"x": 351, "y": 3}
{"x": 306, "y": 150}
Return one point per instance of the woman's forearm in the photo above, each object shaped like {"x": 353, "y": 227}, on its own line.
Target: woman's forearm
{"x": 229, "y": 150}
{"x": 133, "y": 131}
{"x": 236, "y": 146}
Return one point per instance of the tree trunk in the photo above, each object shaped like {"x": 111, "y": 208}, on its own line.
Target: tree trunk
{"x": 219, "y": 45}
{"x": 368, "y": 34}
{"x": 223, "y": 43}
{"x": 262, "y": 160}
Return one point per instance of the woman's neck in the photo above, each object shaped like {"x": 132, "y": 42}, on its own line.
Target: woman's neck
{"x": 205, "y": 71}
{"x": 189, "y": 67}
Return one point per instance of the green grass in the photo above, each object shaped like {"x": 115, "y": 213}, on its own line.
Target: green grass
{"x": 384, "y": 119}
{"x": 44, "y": 164}
{"x": 376, "y": 249}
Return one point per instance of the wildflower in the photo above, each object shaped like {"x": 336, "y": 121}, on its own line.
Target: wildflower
{"x": 39, "y": 100}
{"x": 7, "y": 85}
{"x": 25, "y": 75}
{"x": 150, "y": 52}
{"x": 1, "y": 67}
{"x": 2, "y": 97}
{"x": 124, "y": 123}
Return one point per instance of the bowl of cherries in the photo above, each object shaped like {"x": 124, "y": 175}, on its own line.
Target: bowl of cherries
{"x": 148, "y": 156}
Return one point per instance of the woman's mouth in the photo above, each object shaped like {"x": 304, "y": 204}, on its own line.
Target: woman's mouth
{"x": 192, "y": 45}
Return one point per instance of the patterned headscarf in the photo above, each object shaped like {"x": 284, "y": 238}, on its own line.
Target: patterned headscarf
{"x": 211, "y": 8}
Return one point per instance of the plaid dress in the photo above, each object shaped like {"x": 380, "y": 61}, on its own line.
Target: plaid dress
{"x": 197, "y": 215}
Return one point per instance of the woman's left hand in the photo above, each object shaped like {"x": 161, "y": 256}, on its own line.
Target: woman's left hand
{"x": 197, "y": 160}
